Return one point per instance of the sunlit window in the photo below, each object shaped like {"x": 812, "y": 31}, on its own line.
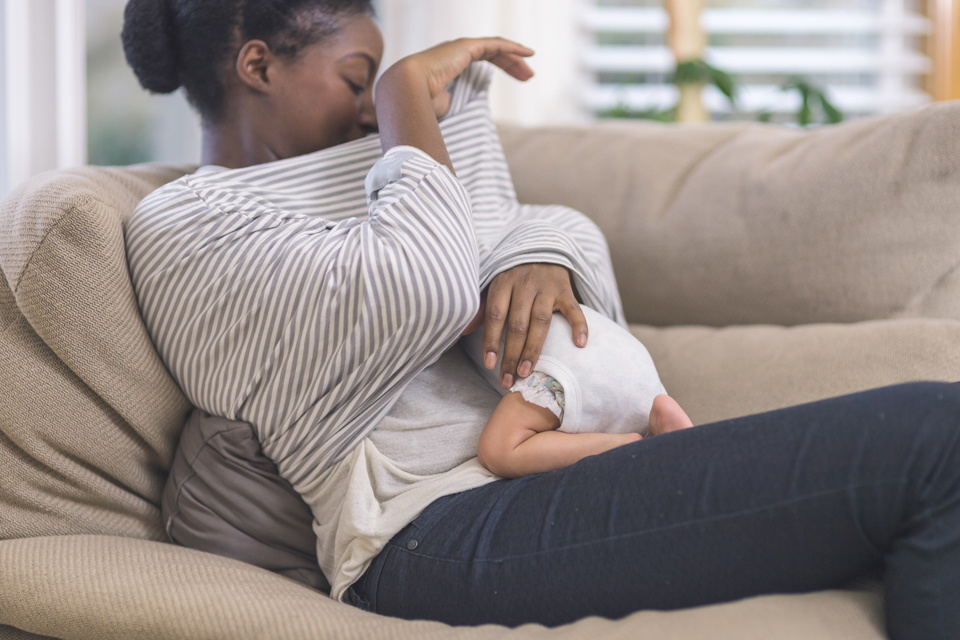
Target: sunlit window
{"x": 124, "y": 123}
{"x": 866, "y": 56}
{"x": 4, "y": 172}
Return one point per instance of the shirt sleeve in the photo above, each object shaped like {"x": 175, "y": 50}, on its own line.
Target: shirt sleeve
{"x": 562, "y": 236}
{"x": 306, "y": 329}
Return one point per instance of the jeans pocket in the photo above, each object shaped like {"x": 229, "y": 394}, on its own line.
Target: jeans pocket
{"x": 428, "y": 518}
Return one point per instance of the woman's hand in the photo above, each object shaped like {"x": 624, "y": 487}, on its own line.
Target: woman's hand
{"x": 444, "y": 62}
{"x": 523, "y": 300}
{"x": 412, "y": 94}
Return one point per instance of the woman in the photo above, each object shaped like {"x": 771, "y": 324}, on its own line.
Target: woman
{"x": 408, "y": 523}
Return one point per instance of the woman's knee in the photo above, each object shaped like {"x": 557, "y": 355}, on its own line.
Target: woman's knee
{"x": 930, "y": 413}
{"x": 932, "y": 398}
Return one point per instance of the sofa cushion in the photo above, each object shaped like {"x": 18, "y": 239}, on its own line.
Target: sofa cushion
{"x": 108, "y": 588}
{"x": 89, "y": 417}
{"x": 717, "y": 374}
{"x": 747, "y": 223}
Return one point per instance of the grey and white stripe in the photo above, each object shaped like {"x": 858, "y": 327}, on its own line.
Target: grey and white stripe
{"x": 280, "y": 295}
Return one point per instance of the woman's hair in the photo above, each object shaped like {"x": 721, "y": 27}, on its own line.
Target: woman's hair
{"x": 191, "y": 43}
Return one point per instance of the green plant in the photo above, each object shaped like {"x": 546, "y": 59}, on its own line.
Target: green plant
{"x": 624, "y": 111}
{"x": 697, "y": 70}
{"x": 812, "y": 98}
{"x": 814, "y": 104}
{"x": 686, "y": 72}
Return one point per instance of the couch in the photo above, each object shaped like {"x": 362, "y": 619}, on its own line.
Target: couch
{"x": 762, "y": 267}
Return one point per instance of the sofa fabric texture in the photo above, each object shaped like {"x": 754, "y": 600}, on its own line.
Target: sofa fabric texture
{"x": 90, "y": 417}
{"x": 845, "y": 236}
{"x": 760, "y": 224}
{"x": 97, "y": 587}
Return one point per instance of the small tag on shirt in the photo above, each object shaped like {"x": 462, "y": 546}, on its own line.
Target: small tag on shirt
{"x": 386, "y": 171}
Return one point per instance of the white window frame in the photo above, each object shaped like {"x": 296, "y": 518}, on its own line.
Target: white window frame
{"x": 550, "y": 27}
{"x": 892, "y": 62}
{"x": 3, "y": 103}
{"x": 44, "y": 95}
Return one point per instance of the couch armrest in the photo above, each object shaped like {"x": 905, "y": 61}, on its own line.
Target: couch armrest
{"x": 749, "y": 223}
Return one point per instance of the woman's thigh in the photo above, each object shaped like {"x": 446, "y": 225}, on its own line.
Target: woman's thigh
{"x": 794, "y": 500}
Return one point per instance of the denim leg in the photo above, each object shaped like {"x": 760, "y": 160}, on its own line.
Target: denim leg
{"x": 795, "y": 500}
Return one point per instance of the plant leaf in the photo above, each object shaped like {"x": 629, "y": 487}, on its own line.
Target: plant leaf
{"x": 723, "y": 81}
{"x": 803, "y": 116}
{"x": 690, "y": 72}
{"x": 834, "y": 115}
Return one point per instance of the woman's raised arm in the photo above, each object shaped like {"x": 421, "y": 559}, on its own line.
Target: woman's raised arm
{"x": 412, "y": 94}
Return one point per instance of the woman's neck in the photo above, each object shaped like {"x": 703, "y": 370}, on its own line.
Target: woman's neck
{"x": 228, "y": 143}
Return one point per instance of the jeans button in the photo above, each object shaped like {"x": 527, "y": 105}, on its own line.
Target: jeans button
{"x": 412, "y": 545}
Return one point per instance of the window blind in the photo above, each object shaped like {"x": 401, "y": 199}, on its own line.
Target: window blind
{"x": 868, "y": 55}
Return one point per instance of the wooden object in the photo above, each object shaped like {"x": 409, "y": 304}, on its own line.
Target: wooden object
{"x": 688, "y": 41}
{"x": 945, "y": 48}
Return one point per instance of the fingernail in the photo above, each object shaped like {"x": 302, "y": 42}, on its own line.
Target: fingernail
{"x": 524, "y": 370}
{"x": 506, "y": 381}
{"x": 490, "y": 360}
{"x": 582, "y": 339}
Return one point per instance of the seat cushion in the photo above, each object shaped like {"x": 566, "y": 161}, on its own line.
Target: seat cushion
{"x": 109, "y": 588}
{"x": 89, "y": 416}
{"x": 717, "y": 374}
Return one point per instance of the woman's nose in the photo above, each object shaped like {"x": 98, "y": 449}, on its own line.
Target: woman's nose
{"x": 368, "y": 113}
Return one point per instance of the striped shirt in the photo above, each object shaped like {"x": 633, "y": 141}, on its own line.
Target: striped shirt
{"x": 285, "y": 296}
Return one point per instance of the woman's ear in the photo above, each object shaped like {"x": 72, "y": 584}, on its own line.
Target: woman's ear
{"x": 253, "y": 65}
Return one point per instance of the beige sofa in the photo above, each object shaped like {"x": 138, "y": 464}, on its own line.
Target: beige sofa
{"x": 761, "y": 266}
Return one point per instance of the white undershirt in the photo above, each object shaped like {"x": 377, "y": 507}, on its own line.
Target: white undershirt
{"x": 424, "y": 449}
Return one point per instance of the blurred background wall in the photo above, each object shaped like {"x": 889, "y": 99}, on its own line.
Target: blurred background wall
{"x": 67, "y": 97}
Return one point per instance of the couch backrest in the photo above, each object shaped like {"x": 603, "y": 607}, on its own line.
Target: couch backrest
{"x": 750, "y": 224}
{"x": 89, "y": 417}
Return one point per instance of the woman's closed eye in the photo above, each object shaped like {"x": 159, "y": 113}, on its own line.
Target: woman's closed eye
{"x": 356, "y": 87}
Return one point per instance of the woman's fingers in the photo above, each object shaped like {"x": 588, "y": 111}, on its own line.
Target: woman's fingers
{"x": 491, "y": 48}
{"x": 540, "y": 316}
{"x": 514, "y": 65}
{"x": 507, "y": 55}
{"x": 518, "y": 333}
{"x": 570, "y": 308}
{"x": 446, "y": 61}
{"x": 521, "y": 303}
{"x": 496, "y": 309}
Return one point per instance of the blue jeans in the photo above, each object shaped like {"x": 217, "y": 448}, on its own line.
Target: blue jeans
{"x": 795, "y": 500}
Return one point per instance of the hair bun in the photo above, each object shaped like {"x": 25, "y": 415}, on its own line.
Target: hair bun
{"x": 150, "y": 44}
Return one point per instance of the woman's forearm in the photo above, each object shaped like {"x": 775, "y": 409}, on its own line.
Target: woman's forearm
{"x": 405, "y": 112}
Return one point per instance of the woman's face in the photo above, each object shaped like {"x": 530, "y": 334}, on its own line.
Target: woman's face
{"x": 325, "y": 94}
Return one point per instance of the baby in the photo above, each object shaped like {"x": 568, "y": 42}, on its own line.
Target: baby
{"x": 577, "y": 402}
